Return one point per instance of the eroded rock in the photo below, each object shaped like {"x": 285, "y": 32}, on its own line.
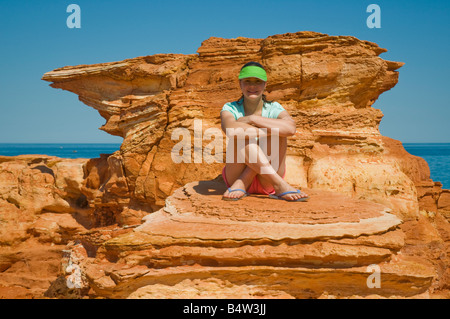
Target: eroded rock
{"x": 139, "y": 225}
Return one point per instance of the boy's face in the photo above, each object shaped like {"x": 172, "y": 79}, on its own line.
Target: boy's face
{"x": 252, "y": 88}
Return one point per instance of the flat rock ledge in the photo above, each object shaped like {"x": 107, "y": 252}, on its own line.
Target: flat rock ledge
{"x": 199, "y": 246}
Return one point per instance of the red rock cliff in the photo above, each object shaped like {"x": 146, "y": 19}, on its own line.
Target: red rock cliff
{"x": 327, "y": 83}
{"x": 390, "y": 212}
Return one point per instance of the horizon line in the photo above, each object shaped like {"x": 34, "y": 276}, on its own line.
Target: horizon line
{"x": 122, "y": 142}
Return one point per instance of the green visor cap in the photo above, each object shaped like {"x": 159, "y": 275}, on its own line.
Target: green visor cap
{"x": 253, "y": 71}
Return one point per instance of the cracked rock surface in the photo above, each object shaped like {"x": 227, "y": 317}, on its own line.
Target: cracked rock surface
{"x": 294, "y": 250}
{"x": 136, "y": 224}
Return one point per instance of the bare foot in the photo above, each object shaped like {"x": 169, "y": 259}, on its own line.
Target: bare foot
{"x": 285, "y": 187}
{"x": 236, "y": 194}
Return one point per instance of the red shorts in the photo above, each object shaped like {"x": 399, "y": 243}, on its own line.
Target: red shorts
{"x": 255, "y": 186}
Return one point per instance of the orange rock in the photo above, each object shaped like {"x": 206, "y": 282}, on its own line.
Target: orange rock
{"x": 135, "y": 224}
{"x": 288, "y": 249}
{"x": 327, "y": 83}
{"x": 444, "y": 203}
{"x": 41, "y": 209}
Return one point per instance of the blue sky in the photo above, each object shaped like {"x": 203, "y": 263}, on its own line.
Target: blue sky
{"x": 34, "y": 39}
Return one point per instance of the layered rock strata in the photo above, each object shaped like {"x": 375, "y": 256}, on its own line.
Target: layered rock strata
{"x": 137, "y": 224}
{"x": 42, "y": 208}
{"x": 257, "y": 249}
{"x": 327, "y": 83}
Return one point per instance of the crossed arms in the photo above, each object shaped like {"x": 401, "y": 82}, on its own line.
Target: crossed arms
{"x": 254, "y": 125}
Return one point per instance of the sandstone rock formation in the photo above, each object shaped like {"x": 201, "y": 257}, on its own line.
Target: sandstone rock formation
{"x": 139, "y": 225}
{"x": 291, "y": 250}
{"x": 41, "y": 209}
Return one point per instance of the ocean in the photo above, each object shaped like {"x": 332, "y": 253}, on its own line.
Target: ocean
{"x": 63, "y": 150}
{"x": 437, "y": 155}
